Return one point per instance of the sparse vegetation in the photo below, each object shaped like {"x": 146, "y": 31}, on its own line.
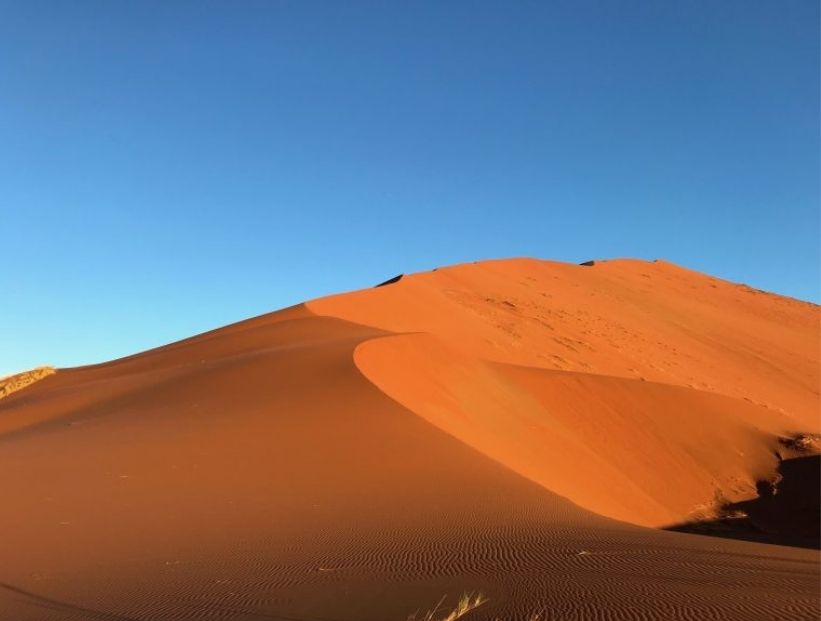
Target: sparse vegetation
{"x": 13, "y": 383}
{"x": 466, "y": 603}
{"x": 802, "y": 443}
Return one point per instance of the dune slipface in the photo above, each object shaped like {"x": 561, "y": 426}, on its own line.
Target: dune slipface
{"x": 522, "y": 428}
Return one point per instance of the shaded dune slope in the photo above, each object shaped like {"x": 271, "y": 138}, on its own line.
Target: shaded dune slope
{"x": 783, "y": 510}
{"x": 276, "y": 469}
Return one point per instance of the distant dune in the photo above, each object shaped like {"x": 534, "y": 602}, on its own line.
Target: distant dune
{"x": 17, "y": 381}
{"x": 531, "y": 430}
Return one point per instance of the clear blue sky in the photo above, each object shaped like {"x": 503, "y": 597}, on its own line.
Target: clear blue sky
{"x": 169, "y": 167}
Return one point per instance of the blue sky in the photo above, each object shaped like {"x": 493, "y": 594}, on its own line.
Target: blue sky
{"x": 169, "y": 167}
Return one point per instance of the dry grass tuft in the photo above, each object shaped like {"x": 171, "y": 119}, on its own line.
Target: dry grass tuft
{"x": 13, "y": 383}
{"x": 466, "y": 603}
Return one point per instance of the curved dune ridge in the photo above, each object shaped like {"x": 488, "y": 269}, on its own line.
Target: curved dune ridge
{"x": 506, "y": 427}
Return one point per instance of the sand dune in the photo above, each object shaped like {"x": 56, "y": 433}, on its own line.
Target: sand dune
{"x": 476, "y": 428}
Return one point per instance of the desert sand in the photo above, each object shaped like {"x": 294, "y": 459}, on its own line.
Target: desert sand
{"x": 536, "y": 431}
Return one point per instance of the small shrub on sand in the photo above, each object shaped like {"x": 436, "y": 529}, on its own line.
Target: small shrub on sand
{"x": 466, "y": 603}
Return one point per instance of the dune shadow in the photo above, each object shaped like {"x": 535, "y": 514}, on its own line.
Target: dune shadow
{"x": 787, "y": 510}
{"x": 390, "y": 281}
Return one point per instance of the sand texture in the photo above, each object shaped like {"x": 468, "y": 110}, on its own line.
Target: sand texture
{"x": 532, "y": 430}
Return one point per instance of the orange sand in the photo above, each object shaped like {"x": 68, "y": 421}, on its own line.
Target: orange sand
{"x": 473, "y": 428}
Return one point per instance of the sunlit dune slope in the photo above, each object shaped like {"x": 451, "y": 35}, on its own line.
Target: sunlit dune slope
{"x": 359, "y": 457}
{"x": 643, "y": 452}
{"x": 640, "y": 390}
{"x": 636, "y": 319}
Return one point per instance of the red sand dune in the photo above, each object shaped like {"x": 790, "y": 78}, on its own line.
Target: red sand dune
{"x": 511, "y": 427}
